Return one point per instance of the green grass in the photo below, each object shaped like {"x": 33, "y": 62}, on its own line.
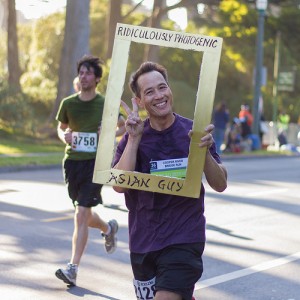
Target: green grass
{"x": 13, "y": 147}
{"x": 19, "y": 151}
{"x": 51, "y": 159}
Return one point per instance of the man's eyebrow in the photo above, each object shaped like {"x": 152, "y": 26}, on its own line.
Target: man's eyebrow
{"x": 148, "y": 89}
{"x": 163, "y": 84}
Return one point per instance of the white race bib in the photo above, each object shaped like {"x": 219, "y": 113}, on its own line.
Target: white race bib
{"x": 144, "y": 290}
{"x": 84, "y": 141}
{"x": 169, "y": 167}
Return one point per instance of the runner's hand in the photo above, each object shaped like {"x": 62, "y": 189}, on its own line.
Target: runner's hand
{"x": 207, "y": 140}
{"x": 134, "y": 125}
{"x": 68, "y": 135}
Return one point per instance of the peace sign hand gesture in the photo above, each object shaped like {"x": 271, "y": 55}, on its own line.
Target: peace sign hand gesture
{"x": 134, "y": 125}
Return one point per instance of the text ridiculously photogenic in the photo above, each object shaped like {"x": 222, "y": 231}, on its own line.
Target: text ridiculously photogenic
{"x": 167, "y": 36}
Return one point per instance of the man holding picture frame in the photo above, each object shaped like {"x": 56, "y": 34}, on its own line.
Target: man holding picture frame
{"x": 166, "y": 232}
{"x": 159, "y": 162}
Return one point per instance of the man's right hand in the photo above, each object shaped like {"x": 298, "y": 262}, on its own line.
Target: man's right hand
{"x": 134, "y": 125}
{"x": 68, "y": 136}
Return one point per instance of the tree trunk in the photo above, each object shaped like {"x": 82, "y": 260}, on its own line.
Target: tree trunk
{"x": 14, "y": 71}
{"x": 75, "y": 45}
{"x": 114, "y": 16}
{"x": 152, "y": 52}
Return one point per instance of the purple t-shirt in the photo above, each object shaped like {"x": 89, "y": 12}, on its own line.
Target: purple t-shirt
{"x": 158, "y": 220}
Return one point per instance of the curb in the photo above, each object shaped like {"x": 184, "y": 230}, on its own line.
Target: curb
{"x": 223, "y": 159}
{"x": 245, "y": 156}
{"x": 28, "y": 168}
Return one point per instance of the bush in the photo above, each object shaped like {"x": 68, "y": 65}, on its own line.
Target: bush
{"x": 20, "y": 113}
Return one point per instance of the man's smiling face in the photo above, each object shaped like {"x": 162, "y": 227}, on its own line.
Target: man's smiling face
{"x": 156, "y": 96}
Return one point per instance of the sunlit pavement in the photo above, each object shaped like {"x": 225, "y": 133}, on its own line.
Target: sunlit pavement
{"x": 252, "y": 249}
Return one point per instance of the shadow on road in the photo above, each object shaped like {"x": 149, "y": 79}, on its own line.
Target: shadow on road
{"x": 81, "y": 292}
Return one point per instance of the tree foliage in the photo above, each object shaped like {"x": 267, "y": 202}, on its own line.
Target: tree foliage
{"x": 47, "y": 51}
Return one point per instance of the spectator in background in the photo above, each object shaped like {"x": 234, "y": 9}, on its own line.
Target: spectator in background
{"x": 76, "y": 84}
{"x": 263, "y": 128}
{"x": 245, "y": 115}
{"x": 283, "y": 121}
{"x": 234, "y": 137}
{"x": 220, "y": 120}
{"x": 246, "y": 120}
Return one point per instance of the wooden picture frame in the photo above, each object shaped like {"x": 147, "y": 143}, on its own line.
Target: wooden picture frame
{"x": 189, "y": 186}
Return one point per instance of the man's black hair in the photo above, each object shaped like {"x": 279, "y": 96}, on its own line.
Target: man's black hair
{"x": 145, "y": 67}
{"x": 90, "y": 61}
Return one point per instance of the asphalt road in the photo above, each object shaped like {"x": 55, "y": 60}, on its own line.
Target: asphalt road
{"x": 252, "y": 250}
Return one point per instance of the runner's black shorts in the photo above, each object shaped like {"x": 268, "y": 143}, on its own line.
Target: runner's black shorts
{"x": 78, "y": 176}
{"x": 176, "y": 268}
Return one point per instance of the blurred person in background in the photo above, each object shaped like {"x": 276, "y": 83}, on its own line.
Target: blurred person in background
{"x": 220, "y": 120}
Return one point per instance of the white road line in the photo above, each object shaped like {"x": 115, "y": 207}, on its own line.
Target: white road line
{"x": 248, "y": 271}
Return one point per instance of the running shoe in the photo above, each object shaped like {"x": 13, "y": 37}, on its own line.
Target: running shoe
{"x": 68, "y": 275}
{"x": 111, "y": 239}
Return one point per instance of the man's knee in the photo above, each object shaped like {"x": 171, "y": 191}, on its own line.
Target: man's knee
{"x": 82, "y": 215}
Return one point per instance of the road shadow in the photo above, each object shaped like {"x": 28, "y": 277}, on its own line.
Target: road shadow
{"x": 82, "y": 292}
{"x": 281, "y": 206}
{"x": 226, "y": 232}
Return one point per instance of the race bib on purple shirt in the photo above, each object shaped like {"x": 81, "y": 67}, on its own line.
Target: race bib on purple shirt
{"x": 169, "y": 167}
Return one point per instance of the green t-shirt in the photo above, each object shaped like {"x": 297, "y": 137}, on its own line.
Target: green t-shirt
{"x": 81, "y": 116}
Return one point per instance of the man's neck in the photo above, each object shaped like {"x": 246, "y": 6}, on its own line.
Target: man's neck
{"x": 87, "y": 95}
{"x": 161, "y": 124}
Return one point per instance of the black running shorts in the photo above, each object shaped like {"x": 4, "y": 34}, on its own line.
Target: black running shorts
{"x": 78, "y": 177}
{"x": 175, "y": 268}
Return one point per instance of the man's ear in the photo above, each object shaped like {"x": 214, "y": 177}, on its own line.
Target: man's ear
{"x": 140, "y": 102}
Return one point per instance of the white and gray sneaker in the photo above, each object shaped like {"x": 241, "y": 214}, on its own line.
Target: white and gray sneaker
{"x": 111, "y": 239}
{"x": 68, "y": 275}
